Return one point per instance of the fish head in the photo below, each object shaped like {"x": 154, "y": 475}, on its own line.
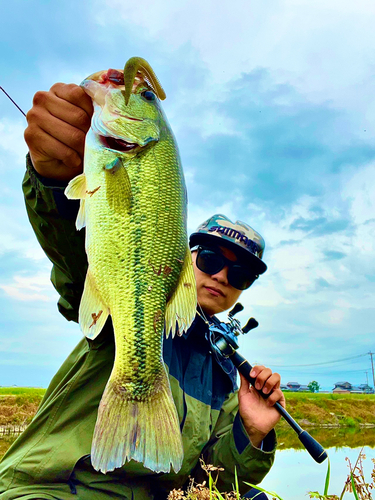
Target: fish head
{"x": 127, "y": 111}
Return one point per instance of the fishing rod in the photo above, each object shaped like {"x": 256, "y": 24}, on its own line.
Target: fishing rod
{"x": 6, "y": 93}
{"x": 223, "y": 338}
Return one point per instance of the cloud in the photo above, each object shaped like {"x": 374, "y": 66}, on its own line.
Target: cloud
{"x": 279, "y": 145}
{"x": 11, "y": 141}
{"x": 29, "y": 288}
{"x": 332, "y": 255}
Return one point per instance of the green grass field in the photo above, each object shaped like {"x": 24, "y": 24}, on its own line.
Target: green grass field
{"x": 14, "y": 391}
{"x": 342, "y": 409}
{"x": 300, "y": 396}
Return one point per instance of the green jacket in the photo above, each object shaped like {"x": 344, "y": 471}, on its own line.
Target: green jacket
{"x": 60, "y": 435}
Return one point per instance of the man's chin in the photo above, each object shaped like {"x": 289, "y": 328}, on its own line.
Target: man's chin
{"x": 210, "y": 306}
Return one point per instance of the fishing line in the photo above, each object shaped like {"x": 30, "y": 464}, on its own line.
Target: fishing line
{"x": 6, "y": 93}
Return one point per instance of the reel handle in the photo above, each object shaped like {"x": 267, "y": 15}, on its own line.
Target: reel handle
{"x": 236, "y": 309}
{"x": 250, "y": 325}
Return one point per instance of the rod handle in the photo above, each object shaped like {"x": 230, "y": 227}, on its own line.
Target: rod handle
{"x": 315, "y": 449}
{"x": 244, "y": 367}
{"x": 312, "y": 446}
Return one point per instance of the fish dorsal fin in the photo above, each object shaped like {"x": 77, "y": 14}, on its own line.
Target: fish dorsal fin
{"x": 135, "y": 65}
{"x": 76, "y": 189}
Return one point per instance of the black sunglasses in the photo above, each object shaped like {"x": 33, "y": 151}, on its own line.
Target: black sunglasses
{"x": 212, "y": 261}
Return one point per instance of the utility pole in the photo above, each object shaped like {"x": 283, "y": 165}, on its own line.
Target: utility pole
{"x": 372, "y": 366}
{"x": 366, "y": 377}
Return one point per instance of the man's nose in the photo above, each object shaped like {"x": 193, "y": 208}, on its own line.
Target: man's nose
{"x": 221, "y": 276}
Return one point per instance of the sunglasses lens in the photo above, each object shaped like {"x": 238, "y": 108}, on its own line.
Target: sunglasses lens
{"x": 240, "y": 277}
{"x": 209, "y": 261}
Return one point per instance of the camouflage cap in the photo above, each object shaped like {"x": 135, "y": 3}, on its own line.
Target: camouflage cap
{"x": 238, "y": 236}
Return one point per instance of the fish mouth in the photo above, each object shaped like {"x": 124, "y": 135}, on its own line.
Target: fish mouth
{"x": 117, "y": 144}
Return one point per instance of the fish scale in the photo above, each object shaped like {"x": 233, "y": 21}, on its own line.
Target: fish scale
{"x": 133, "y": 204}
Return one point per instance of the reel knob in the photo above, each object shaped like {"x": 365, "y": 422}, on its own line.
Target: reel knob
{"x": 250, "y": 325}
{"x": 236, "y": 309}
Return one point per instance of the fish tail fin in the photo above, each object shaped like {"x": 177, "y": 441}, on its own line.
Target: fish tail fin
{"x": 181, "y": 308}
{"x": 145, "y": 431}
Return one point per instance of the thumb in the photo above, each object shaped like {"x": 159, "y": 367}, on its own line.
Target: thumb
{"x": 244, "y": 387}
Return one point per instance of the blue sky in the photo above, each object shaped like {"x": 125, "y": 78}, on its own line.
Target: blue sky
{"x": 272, "y": 107}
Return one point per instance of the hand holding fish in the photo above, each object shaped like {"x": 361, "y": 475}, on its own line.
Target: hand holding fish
{"x": 258, "y": 414}
{"x": 57, "y": 126}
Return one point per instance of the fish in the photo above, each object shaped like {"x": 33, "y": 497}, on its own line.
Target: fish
{"x": 133, "y": 205}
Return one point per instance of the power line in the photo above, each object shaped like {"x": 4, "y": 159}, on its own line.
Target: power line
{"x": 324, "y": 363}
{"x": 325, "y": 373}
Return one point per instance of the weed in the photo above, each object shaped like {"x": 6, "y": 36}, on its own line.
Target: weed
{"x": 349, "y": 422}
{"x": 355, "y": 483}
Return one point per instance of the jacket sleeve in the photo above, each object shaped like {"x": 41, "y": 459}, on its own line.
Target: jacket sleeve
{"x": 230, "y": 449}
{"x": 52, "y": 217}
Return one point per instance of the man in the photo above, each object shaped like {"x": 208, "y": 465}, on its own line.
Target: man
{"x": 51, "y": 459}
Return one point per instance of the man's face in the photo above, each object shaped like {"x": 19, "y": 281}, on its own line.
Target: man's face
{"x": 214, "y": 292}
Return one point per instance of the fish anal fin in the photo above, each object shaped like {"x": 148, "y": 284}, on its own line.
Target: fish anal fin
{"x": 181, "y": 307}
{"x": 93, "y": 313}
{"x": 146, "y": 431}
{"x": 76, "y": 189}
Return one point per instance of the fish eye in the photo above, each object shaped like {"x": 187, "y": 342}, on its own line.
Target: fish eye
{"x": 148, "y": 95}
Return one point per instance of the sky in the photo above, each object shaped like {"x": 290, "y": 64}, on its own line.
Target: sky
{"x": 272, "y": 107}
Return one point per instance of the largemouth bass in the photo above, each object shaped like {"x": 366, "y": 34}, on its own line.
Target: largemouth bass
{"x": 133, "y": 205}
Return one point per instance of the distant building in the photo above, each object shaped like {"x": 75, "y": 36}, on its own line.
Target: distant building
{"x": 347, "y": 387}
{"x": 366, "y": 389}
{"x": 304, "y": 388}
{"x": 293, "y": 386}
{"x": 342, "y": 387}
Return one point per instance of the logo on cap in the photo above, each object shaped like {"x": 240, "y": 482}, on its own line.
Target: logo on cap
{"x": 237, "y": 235}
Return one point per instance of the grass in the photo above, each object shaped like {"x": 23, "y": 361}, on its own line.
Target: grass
{"x": 18, "y": 405}
{"x": 355, "y": 483}
{"x": 14, "y": 391}
{"x": 327, "y": 437}
{"x": 342, "y": 409}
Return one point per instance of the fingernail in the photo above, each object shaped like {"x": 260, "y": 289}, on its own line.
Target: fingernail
{"x": 266, "y": 390}
{"x": 252, "y": 373}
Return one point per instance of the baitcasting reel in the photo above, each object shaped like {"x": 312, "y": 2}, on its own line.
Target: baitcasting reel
{"x": 223, "y": 339}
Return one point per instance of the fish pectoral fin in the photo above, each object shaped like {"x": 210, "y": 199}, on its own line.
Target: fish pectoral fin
{"x": 76, "y": 189}
{"x": 181, "y": 307}
{"x": 93, "y": 313}
{"x": 147, "y": 431}
{"x": 119, "y": 191}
